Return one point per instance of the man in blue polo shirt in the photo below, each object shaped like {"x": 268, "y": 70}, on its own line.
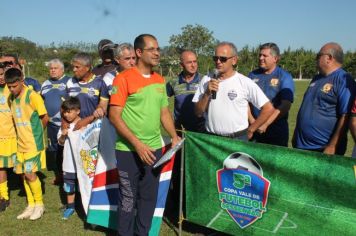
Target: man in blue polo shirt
{"x": 322, "y": 117}
{"x": 183, "y": 89}
{"x": 278, "y": 86}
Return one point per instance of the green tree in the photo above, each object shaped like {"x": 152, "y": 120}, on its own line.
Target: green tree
{"x": 196, "y": 38}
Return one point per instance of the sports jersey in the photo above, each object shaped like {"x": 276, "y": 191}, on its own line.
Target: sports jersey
{"x": 32, "y": 84}
{"x": 183, "y": 93}
{"x": 326, "y": 99}
{"x": 142, "y": 100}
{"x": 7, "y": 129}
{"x": 277, "y": 86}
{"x": 228, "y": 112}
{"x": 89, "y": 93}
{"x": 54, "y": 93}
{"x": 109, "y": 78}
{"x": 26, "y": 111}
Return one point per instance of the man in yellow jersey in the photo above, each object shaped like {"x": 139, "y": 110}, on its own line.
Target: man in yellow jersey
{"x": 8, "y": 145}
{"x": 30, "y": 117}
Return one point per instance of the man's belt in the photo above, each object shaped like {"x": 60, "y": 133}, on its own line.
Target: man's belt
{"x": 232, "y": 135}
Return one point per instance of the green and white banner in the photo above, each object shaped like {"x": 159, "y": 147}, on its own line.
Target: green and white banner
{"x": 244, "y": 188}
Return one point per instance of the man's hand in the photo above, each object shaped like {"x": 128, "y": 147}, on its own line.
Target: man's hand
{"x": 330, "y": 150}
{"x": 262, "y": 129}
{"x": 145, "y": 153}
{"x": 213, "y": 85}
{"x": 98, "y": 113}
{"x": 175, "y": 140}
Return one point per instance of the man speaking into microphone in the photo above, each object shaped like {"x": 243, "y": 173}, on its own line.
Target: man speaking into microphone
{"x": 223, "y": 97}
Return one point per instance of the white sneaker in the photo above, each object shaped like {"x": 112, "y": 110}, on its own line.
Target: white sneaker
{"x": 26, "y": 213}
{"x": 38, "y": 212}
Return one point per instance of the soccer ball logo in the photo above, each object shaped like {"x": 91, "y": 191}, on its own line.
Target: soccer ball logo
{"x": 240, "y": 160}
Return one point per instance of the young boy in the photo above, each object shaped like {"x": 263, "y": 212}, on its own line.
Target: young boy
{"x": 8, "y": 145}
{"x": 30, "y": 117}
{"x": 70, "y": 110}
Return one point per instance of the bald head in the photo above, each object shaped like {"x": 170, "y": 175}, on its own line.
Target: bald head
{"x": 335, "y": 50}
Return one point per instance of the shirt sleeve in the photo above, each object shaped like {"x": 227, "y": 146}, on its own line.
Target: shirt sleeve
{"x": 201, "y": 89}
{"x": 119, "y": 92}
{"x": 287, "y": 88}
{"x": 255, "y": 94}
{"x": 346, "y": 88}
{"x": 104, "y": 91}
{"x": 169, "y": 89}
{"x": 38, "y": 104}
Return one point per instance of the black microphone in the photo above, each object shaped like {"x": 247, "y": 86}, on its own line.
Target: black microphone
{"x": 215, "y": 75}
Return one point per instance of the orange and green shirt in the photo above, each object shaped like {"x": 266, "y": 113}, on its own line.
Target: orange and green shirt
{"x": 7, "y": 129}
{"x": 26, "y": 110}
{"x": 142, "y": 100}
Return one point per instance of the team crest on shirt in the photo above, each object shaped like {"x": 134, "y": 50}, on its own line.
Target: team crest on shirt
{"x": 114, "y": 90}
{"x": 61, "y": 86}
{"x": 232, "y": 94}
{"x": 274, "y": 82}
{"x": 18, "y": 112}
{"x": 2, "y": 100}
{"x": 327, "y": 87}
{"x": 91, "y": 91}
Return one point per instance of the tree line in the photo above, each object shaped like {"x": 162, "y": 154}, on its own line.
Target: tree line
{"x": 300, "y": 62}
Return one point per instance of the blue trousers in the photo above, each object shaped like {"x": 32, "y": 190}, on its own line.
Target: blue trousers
{"x": 138, "y": 189}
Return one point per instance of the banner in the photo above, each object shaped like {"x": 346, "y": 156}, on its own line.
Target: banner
{"x": 85, "y": 156}
{"x": 104, "y": 196}
{"x": 245, "y": 188}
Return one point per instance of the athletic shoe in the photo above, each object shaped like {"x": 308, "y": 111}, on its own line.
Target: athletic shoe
{"x": 67, "y": 213}
{"x": 38, "y": 212}
{"x": 4, "y": 204}
{"x": 26, "y": 213}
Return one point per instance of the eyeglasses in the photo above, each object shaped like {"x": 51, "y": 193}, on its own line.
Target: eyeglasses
{"x": 8, "y": 63}
{"x": 152, "y": 49}
{"x": 221, "y": 59}
{"x": 319, "y": 55}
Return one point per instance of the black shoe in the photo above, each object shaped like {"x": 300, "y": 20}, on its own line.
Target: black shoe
{"x": 4, "y": 204}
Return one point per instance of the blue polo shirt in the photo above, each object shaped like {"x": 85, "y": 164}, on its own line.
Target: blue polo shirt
{"x": 277, "y": 86}
{"x": 183, "y": 93}
{"x": 89, "y": 93}
{"x": 326, "y": 99}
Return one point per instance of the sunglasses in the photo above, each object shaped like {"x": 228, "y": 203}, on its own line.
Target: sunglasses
{"x": 221, "y": 59}
{"x": 8, "y": 63}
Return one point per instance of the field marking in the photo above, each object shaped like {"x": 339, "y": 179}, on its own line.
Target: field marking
{"x": 274, "y": 231}
{"x": 315, "y": 206}
{"x": 215, "y": 218}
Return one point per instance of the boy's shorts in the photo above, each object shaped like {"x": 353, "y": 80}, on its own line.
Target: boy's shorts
{"x": 30, "y": 162}
{"x": 8, "y": 148}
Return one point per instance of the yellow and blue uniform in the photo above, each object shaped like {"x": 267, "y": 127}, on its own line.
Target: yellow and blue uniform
{"x": 26, "y": 111}
{"x": 8, "y": 145}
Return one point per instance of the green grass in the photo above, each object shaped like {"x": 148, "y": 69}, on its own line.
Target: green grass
{"x": 52, "y": 224}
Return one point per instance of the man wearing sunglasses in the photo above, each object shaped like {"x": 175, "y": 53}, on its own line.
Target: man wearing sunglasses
{"x": 227, "y": 114}
{"x": 10, "y": 61}
{"x": 323, "y": 116}
{"x": 278, "y": 86}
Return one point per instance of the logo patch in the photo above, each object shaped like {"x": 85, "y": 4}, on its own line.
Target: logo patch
{"x": 274, "y": 82}
{"x": 91, "y": 91}
{"x": 232, "y": 94}
{"x": 243, "y": 191}
{"x": 327, "y": 87}
{"x": 2, "y": 100}
{"x": 114, "y": 90}
{"x": 18, "y": 112}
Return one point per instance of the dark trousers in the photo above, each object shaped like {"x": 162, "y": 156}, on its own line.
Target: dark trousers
{"x": 138, "y": 189}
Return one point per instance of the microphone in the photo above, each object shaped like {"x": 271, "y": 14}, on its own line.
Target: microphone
{"x": 215, "y": 75}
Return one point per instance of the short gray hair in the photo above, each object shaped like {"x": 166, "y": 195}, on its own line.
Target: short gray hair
{"x": 231, "y": 45}
{"x": 118, "y": 50}
{"x": 57, "y": 62}
{"x": 336, "y": 52}
{"x": 273, "y": 47}
{"x": 83, "y": 58}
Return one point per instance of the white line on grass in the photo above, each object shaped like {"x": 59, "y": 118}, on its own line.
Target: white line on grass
{"x": 215, "y": 218}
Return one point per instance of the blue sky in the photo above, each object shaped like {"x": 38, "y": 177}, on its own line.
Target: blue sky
{"x": 294, "y": 23}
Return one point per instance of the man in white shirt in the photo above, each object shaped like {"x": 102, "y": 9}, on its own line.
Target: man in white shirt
{"x": 227, "y": 114}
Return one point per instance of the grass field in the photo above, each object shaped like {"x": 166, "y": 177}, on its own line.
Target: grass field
{"x": 52, "y": 224}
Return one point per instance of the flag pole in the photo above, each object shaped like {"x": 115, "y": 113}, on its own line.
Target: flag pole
{"x": 181, "y": 217}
